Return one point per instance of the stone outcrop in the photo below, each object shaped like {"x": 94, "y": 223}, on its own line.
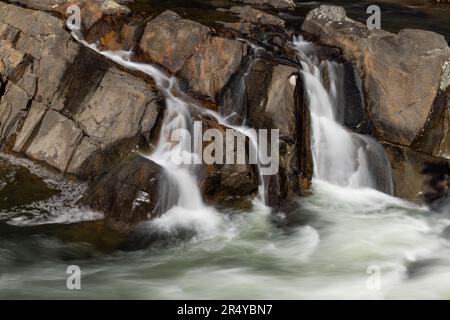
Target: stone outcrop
{"x": 225, "y": 184}
{"x": 405, "y": 80}
{"x": 63, "y": 104}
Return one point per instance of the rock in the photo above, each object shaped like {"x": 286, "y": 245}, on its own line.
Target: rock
{"x": 274, "y": 100}
{"x": 112, "y": 8}
{"x": 278, "y": 4}
{"x": 34, "y": 117}
{"x": 402, "y": 73}
{"x": 92, "y": 118}
{"x": 109, "y": 115}
{"x": 92, "y": 11}
{"x": 55, "y": 141}
{"x": 170, "y": 41}
{"x": 210, "y": 68}
{"x": 129, "y": 193}
{"x": 256, "y": 16}
{"x": 228, "y": 184}
{"x": 417, "y": 176}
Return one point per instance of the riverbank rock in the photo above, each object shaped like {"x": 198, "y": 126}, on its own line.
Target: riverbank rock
{"x": 228, "y": 184}
{"x": 212, "y": 66}
{"x": 129, "y": 193}
{"x": 417, "y": 176}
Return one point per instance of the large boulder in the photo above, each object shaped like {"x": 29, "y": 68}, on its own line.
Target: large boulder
{"x": 129, "y": 193}
{"x": 212, "y": 66}
{"x": 225, "y": 184}
{"x": 403, "y": 74}
{"x": 170, "y": 41}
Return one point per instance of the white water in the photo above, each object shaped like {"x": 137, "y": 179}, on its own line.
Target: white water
{"x": 340, "y": 157}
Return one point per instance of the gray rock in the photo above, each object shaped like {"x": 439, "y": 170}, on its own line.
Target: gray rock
{"x": 212, "y": 66}
{"x": 256, "y": 16}
{"x": 34, "y": 117}
{"x": 170, "y": 41}
{"x": 56, "y": 141}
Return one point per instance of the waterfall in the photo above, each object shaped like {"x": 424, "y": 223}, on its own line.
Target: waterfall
{"x": 340, "y": 157}
{"x": 181, "y": 200}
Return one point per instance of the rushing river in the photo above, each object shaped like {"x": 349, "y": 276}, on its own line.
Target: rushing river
{"x": 346, "y": 240}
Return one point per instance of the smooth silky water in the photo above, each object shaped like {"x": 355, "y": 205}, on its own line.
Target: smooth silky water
{"x": 325, "y": 249}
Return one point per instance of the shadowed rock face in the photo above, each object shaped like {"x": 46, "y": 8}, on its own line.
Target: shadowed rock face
{"x": 129, "y": 193}
{"x": 273, "y": 99}
{"x": 417, "y": 176}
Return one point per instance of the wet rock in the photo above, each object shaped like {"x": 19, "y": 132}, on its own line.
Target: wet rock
{"x": 402, "y": 72}
{"x": 417, "y": 176}
{"x": 210, "y": 68}
{"x": 170, "y": 41}
{"x": 256, "y": 16}
{"x": 225, "y": 184}
{"x": 128, "y": 194}
{"x": 274, "y": 100}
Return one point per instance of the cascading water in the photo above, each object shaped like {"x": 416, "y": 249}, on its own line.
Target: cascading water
{"x": 181, "y": 199}
{"x": 340, "y": 157}
{"x": 341, "y": 236}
